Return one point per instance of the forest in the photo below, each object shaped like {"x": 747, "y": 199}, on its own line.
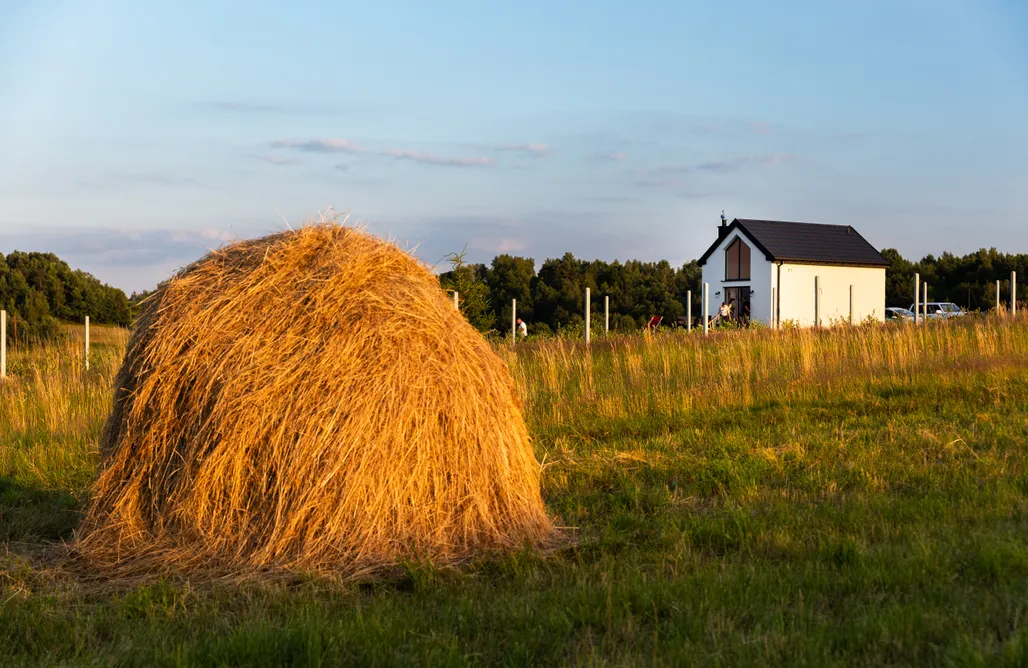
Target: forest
{"x": 39, "y": 291}
{"x": 553, "y": 298}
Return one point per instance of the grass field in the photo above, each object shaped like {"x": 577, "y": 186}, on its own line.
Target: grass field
{"x": 856, "y": 497}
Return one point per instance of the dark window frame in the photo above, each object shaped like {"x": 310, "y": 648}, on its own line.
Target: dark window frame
{"x": 743, "y": 269}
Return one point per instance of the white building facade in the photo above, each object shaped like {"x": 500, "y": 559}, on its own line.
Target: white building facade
{"x": 767, "y": 271}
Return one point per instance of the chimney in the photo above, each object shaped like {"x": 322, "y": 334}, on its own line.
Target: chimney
{"x": 723, "y": 229}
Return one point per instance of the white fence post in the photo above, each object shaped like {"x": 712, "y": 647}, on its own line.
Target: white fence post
{"x": 817, "y": 302}
{"x": 688, "y": 311}
{"x": 514, "y": 321}
{"x": 997, "y": 297}
{"x": 924, "y": 302}
{"x": 587, "y": 315}
{"x": 87, "y": 343}
{"x": 456, "y": 304}
{"x": 1013, "y": 294}
{"x": 706, "y": 308}
{"x": 851, "y": 306}
{"x": 917, "y": 298}
{"x": 773, "y": 321}
{"x": 3, "y": 345}
{"x": 606, "y": 315}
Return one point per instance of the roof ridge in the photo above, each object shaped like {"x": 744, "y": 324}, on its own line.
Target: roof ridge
{"x": 789, "y": 222}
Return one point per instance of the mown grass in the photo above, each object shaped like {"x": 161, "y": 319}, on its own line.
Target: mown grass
{"x": 855, "y": 497}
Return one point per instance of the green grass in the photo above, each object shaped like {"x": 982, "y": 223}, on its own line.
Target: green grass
{"x": 847, "y": 498}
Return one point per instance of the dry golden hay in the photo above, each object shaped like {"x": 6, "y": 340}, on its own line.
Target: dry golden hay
{"x": 309, "y": 401}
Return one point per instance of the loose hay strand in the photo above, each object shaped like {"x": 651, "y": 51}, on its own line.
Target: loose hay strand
{"x": 309, "y": 401}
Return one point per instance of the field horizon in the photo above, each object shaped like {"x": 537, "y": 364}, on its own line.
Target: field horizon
{"x": 848, "y": 496}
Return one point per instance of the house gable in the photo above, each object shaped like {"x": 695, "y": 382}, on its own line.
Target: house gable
{"x": 723, "y": 242}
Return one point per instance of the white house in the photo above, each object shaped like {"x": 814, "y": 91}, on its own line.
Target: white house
{"x": 770, "y": 268}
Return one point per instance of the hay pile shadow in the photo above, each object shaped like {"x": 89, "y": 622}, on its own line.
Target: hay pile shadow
{"x": 309, "y": 401}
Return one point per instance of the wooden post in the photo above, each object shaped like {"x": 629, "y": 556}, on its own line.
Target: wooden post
{"x": 3, "y": 345}
{"x": 688, "y": 311}
{"x": 514, "y": 321}
{"x": 706, "y": 308}
{"x": 817, "y": 302}
{"x": 587, "y": 315}
{"x": 1013, "y": 294}
{"x": 87, "y": 343}
{"x": 917, "y": 298}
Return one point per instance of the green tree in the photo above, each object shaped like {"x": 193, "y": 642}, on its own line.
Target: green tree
{"x": 469, "y": 281}
{"x": 510, "y": 278}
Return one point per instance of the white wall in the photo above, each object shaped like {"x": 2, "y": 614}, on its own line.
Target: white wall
{"x": 759, "y": 283}
{"x": 797, "y": 287}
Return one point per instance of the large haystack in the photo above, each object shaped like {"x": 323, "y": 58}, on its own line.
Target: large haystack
{"x": 309, "y": 401}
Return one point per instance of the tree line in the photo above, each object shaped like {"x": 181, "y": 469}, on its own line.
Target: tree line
{"x": 38, "y": 290}
{"x": 553, "y": 298}
{"x": 968, "y": 281}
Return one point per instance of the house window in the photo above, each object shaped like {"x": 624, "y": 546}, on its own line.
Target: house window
{"x": 737, "y": 261}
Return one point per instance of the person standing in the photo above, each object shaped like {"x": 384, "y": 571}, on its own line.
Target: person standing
{"x": 522, "y": 328}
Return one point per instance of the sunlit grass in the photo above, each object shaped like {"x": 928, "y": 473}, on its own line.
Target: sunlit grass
{"x": 847, "y": 497}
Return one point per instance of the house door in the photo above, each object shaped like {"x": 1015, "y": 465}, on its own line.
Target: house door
{"x": 741, "y": 303}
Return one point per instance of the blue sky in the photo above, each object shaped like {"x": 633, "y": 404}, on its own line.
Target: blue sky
{"x": 135, "y": 136}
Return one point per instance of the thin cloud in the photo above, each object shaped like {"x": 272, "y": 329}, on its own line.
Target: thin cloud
{"x": 342, "y": 167}
{"x": 331, "y": 146}
{"x": 738, "y": 163}
{"x": 678, "y": 187}
{"x": 278, "y": 160}
{"x": 660, "y": 170}
{"x": 113, "y": 181}
{"x": 431, "y": 159}
{"x": 610, "y": 199}
{"x": 167, "y": 180}
{"x": 659, "y": 183}
{"x": 243, "y": 107}
{"x": 292, "y": 108}
{"x": 318, "y": 145}
{"x": 499, "y": 246}
{"x": 730, "y": 127}
{"x": 537, "y": 150}
{"x": 611, "y": 156}
{"x": 89, "y": 247}
{"x": 761, "y": 128}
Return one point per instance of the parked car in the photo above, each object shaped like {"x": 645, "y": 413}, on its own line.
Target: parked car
{"x": 898, "y": 314}
{"x": 942, "y": 310}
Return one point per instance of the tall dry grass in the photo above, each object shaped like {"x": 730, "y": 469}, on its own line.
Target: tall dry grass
{"x": 565, "y": 382}
{"x": 50, "y": 405}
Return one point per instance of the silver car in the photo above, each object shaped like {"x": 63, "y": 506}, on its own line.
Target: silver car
{"x": 941, "y": 310}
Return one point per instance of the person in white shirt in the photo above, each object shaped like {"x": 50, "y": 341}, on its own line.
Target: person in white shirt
{"x": 522, "y": 328}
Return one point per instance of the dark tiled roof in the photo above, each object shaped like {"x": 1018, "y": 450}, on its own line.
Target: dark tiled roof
{"x": 813, "y": 243}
